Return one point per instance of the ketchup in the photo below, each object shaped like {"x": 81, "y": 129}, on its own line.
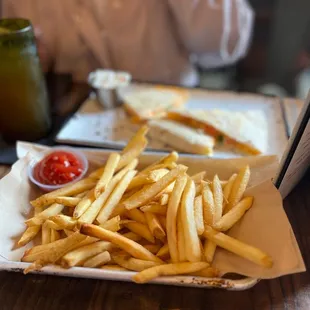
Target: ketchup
{"x": 57, "y": 168}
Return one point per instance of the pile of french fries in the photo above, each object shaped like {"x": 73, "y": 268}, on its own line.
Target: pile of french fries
{"x": 157, "y": 221}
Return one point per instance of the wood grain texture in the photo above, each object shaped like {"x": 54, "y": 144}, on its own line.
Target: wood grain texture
{"x": 4, "y": 170}
{"x": 47, "y": 292}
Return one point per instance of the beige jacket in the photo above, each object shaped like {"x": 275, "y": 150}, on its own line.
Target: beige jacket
{"x": 154, "y": 40}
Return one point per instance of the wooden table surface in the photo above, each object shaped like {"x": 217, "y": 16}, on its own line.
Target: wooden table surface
{"x": 18, "y": 291}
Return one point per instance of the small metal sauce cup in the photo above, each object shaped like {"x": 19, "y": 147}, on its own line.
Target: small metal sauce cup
{"x": 106, "y": 84}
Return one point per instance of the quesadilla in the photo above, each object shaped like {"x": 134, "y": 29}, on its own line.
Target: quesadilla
{"x": 153, "y": 103}
{"x": 181, "y": 137}
{"x": 244, "y": 131}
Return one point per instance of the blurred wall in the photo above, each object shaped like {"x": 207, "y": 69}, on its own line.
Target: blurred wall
{"x": 280, "y": 35}
{"x": 252, "y": 69}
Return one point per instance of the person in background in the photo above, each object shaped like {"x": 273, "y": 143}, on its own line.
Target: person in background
{"x": 155, "y": 40}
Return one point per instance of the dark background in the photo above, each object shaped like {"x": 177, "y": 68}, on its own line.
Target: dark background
{"x": 281, "y": 35}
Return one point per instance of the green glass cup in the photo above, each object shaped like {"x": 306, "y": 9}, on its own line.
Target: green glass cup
{"x": 24, "y": 106}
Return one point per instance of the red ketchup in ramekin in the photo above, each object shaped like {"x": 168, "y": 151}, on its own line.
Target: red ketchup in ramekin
{"x": 57, "y": 168}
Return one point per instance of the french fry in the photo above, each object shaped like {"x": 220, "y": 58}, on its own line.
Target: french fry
{"x": 192, "y": 243}
{"x": 119, "y": 209}
{"x": 136, "y": 139}
{"x": 162, "y": 221}
{"x": 132, "y": 236}
{"x": 130, "y": 193}
{"x": 238, "y": 187}
{"x": 134, "y": 249}
{"x": 92, "y": 212}
{"x": 162, "y": 163}
{"x": 149, "y": 178}
{"x": 134, "y": 264}
{"x": 138, "y": 181}
{"x": 218, "y": 198}
{"x": 198, "y": 213}
{"x": 55, "y": 235}
{"x": 171, "y": 220}
{"x": 81, "y": 195}
{"x": 180, "y": 238}
{"x": 209, "y": 250}
{"x": 98, "y": 173}
{"x": 141, "y": 230}
{"x": 107, "y": 174}
{"x": 136, "y": 215}
{"x": 68, "y": 201}
{"x": 235, "y": 246}
{"x": 154, "y": 226}
{"x": 228, "y": 187}
{"x": 52, "y": 225}
{"x": 131, "y": 166}
{"x": 28, "y": 235}
{"x": 35, "y": 266}
{"x": 163, "y": 252}
{"x": 157, "y": 174}
{"x": 78, "y": 256}
{"x": 115, "y": 197}
{"x": 84, "y": 204}
{"x": 198, "y": 177}
{"x": 153, "y": 248}
{"x": 234, "y": 215}
{"x": 98, "y": 260}
{"x": 95, "y": 175}
{"x": 52, "y": 252}
{"x": 208, "y": 204}
{"x": 168, "y": 165}
{"x": 199, "y": 188}
{"x": 167, "y": 190}
{"x": 143, "y": 196}
{"x": 68, "y": 232}
{"x": 131, "y": 154}
{"x": 64, "y": 221}
{"x": 38, "y": 210}
{"x": 46, "y": 234}
{"x": 209, "y": 272}
{"x": 164, "y": 199}
{"x": 213, "y": 208}
{"x": 223, "y": 183}
{"x": 126, "y": 221}
{"x": 39, "y": 219}
{"x": 155, "y": 208}
{"x": 88, "y": 240}
{"x": 113, "y": 224}
{"x": 69, "y": 190}
{"x": 168, "y": 270}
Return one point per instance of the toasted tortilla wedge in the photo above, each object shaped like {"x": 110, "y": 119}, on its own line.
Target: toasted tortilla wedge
{"x": 153, "y": 103}
{"x": 245, "y": 131}
{"x": 181, "y": 137}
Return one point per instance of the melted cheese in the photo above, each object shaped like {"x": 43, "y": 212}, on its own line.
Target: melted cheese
{"x": 244, "y": 148}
